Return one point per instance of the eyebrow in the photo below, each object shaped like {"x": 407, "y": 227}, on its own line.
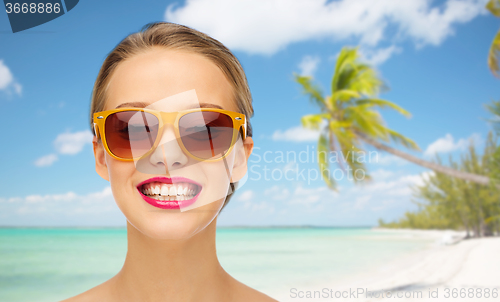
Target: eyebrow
{"x": 142, "y": 105}
{"x": 132, "y": 104}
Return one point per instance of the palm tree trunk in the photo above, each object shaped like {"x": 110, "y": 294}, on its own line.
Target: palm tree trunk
{"x": 480, "y": 179}
{"x": 333, "y": 147}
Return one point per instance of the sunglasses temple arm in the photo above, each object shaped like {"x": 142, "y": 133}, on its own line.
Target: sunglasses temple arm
{"x": 245, "y": 127}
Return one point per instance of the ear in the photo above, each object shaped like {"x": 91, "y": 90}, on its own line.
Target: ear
{"x": 240, "y": 166}
{"x": 100, "y": 161}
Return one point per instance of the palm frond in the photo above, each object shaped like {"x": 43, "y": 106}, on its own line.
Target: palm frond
{"x": 367, "y": 81}
{"x": 340, "y": 124}
{"x": 494, "y": 55}
{"x": 347, "y": 56}
{"x": 345, "y": 95}
{"x": 310, "y": 89}
{"x": 323, "y": 151}
{"x": 314, "y": 121}
{"x": 368, "y": 121}
{"x": 403, "y": 140}
{"x": 383, "y": 104}
{"x": 494, "y": 109}
{"x": 494, "y": 7}
{"x": 350, "y": 152}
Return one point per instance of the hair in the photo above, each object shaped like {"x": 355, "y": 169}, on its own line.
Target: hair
{"x": 176, "y": 37}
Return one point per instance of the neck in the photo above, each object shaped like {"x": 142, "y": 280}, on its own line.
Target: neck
{"x": 171, "y": 270}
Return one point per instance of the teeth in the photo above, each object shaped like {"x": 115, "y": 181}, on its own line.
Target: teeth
{"x": 170, "y": 192}
{"x": 164, "y": 190}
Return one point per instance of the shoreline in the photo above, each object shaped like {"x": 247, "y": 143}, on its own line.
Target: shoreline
{"x": 443, "y": 268}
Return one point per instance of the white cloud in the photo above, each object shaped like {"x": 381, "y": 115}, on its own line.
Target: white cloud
{"x": 382, "y": 193}
{"x": 66, "y": 143}
{"x": 396, "y": 187}
{"x": 313, "y": 197}
{"x": 296, "y": 134}
{"x": 70, "y": 208}
{"x": 381, "y": 174}
{"x": 300, "y": 190}
{"x": 261, "y": 207}
{"x": 250, "y": 203}
{"x": 308, "y": 65}
{"x": 447, "y": 144}
{"x": 72, "y": 143}
{"x": 361, "y": 202}
{"x": 7, "y": 81}
{"x": 266, "y": 27}
{"x": 291, "y": 169}
{"x": 379, "y": 56}
{"x": 46, "y": 160}
{"x": 246, "y": 195}
{"x": 69, "y": 197}
{"x": 389, "y": 159}
{"x": 301, "y": 195}
{"x": 277, "y": 192}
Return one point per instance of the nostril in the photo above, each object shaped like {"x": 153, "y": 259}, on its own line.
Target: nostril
{"x": 176, "y": 164}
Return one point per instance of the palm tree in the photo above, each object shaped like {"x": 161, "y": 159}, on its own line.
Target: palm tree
{"x": 448, "y": 202}
{"x": 349, "y": 116}
{"x": 494, "y": 7}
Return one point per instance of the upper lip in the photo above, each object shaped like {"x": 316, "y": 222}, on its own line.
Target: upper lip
{"x": 169, "y": 180}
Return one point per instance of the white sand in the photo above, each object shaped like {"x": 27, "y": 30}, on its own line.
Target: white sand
{"x": 469, "y": 268}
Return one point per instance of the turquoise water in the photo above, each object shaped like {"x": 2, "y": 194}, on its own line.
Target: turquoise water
{"x": 54, "y": 264}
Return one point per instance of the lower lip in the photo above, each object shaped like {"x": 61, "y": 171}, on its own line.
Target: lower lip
{"x": 173, "y": 204}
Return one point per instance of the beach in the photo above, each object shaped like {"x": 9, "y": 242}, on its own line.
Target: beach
{"x": 50, "y": 264}
{"x": 465, "y": 270}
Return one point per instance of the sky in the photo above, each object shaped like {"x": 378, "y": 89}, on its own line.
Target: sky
{"x": 431, "y": 54}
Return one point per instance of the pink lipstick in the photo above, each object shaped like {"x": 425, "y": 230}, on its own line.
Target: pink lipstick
{"x": 169, "y": 193}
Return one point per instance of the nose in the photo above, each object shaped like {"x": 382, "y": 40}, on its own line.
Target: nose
{"x": 168, "y": 152}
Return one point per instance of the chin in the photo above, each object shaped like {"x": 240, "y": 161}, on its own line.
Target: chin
{"x": 176, "y": 225}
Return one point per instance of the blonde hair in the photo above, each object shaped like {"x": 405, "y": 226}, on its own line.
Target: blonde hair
{"x": 176, "y": 37}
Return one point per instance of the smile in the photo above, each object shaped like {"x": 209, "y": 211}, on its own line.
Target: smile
{"x": 169, "y": 193}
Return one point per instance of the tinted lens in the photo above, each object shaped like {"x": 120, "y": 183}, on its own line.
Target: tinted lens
{"x": 131, "y": 129}
{"x": 206, "y": 134}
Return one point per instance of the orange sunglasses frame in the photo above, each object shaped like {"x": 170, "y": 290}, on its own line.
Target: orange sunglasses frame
{"x": 172, "y": 118}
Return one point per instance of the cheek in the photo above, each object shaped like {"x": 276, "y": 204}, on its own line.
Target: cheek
{"x": 217, "y": 179}
{"x": 165, "y": 224}
{"x": 120, "y": 176}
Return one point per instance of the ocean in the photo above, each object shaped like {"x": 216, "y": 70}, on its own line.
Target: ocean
{"x": 52, "y": 264}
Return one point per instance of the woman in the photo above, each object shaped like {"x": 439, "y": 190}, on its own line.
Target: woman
{"x": 165, "y": 177}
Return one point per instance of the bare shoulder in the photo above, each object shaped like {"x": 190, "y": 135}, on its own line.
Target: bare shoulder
{"x": 244, "y": 293}
{"x": 101, "y": 292}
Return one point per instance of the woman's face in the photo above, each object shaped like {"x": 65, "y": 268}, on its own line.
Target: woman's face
{"x": 148, "y": 78}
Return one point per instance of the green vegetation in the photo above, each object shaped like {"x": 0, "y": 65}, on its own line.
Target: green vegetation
{"x": 451, "y": 203}
{"x": 494, "y": 7}
{"x": 349, "y": 116}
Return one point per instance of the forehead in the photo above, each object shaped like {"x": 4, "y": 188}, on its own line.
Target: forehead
{"x": 158, "y": 73}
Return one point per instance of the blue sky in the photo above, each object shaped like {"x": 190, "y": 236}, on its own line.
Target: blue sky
{"x": 432, "y": 55}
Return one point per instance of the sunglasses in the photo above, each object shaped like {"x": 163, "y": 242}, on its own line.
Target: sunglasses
{"x": 205, "y": 134}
